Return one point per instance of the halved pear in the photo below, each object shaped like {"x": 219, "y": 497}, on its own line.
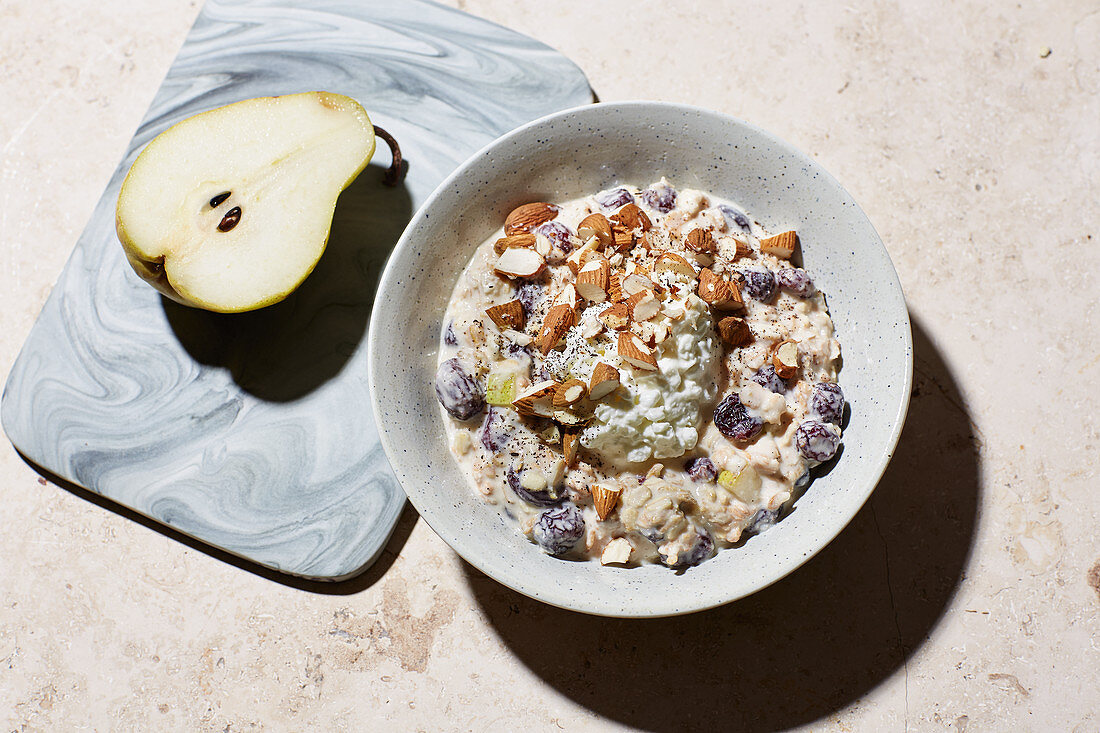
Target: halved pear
{"x": 230, "y": 210}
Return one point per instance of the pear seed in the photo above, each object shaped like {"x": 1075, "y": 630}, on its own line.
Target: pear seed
{"x": 230, "y": 220}
{"x": 219, "y": 199}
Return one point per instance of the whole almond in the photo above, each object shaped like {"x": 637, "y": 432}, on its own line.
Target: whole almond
{"x": 528, "y": 216}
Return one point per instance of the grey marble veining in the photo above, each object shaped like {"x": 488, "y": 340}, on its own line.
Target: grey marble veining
{"x": 254, "y": 432}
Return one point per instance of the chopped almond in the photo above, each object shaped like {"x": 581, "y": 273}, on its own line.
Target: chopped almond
{"x": 605, "y": 380}
{"x": 605, "y": 498}
{"x": 581, "y": 255}
{"x": 630, "y": 217}
{"x": 719, "y": 293}
{"x": 559, "y": 319}
{"x": 700, "y": 241}
{"x": 661, "y": 332}
{"x": 672, "y": 262}
{"x": 615, "y": 287}
{"x": 785, "y": 358}
{"x": 568, "y": 296}
{"x": 519, "y": 262}
{"x": 528, "y": 216}
{"x": 594, "y": 279}
{"x": 617, "y": 552}
{"x": 644, "y": 305}
{"x": 617, "y": 317}
{"x": 734, "y": 331}
{"x": 569, "y": 417}
{"x": 517, "y": 337}
{"x": 516, "y": 240}
{"x": 742, "y": 249}
{"x": 781, "y": 245}
{"x": 508, "y": 315}
{"x": 595, "y": 225}
{"x": 536, "y": 399}
{"x": 622, "y": 241}
{"x": 636, "y": 283}
{"x": 570, "y": 443}
{"x": 569, "y": 394}
{"x": 636, "y": 353}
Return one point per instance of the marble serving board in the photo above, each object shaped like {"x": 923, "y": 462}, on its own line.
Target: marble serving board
{"x": 254, "y": 432}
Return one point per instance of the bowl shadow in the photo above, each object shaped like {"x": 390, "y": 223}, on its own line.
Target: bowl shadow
{"x": 812, "y": 643}
{"x": 285, "y": 351}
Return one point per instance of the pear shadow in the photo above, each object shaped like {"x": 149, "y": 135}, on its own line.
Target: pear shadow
{"x": 807, "y": 646}
{"x": 285, "y": 351}
{"x": 358, "y": 580}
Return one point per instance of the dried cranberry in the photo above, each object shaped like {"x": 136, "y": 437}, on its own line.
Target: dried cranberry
{"x": 529, "y": 294}
{"x": 735, "y": 217}
{"x": 700, "y": 551}
{"x": 701, "y": 469}
{"x": 614, "y": 198}
{"x": 796, "y": 280}
{"x": 660, "y": 198}
{"x": 494, "y": 434}
{"x": 458, "y": 392}
{"x": 734, "y": 420}
{"x": 762, "y": 520}
{"x": 817, "y": 441}
{"x": 767, "y": 378}
{"x": 559, "y": 234}
{"x": 759, "y": 284}
{"x": 559, "y": 529}
{"x": 827, "y": 402}
{"x": 546, "y": 497}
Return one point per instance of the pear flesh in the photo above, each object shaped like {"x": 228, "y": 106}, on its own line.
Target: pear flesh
{"x": 230, "y": 210}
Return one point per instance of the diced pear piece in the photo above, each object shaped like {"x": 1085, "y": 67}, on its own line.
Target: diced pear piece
{"x": 745, "y": 484}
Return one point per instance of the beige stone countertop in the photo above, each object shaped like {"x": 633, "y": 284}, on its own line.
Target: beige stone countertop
{"x": 964, "y": 597}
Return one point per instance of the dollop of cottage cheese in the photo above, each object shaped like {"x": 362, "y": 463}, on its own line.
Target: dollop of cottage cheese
{"x": 656, "y": 414}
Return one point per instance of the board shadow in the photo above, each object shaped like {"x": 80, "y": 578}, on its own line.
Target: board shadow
{"x": 285, "y": 351}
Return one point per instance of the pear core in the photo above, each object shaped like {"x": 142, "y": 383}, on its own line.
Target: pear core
{"x": 230, "y": 210}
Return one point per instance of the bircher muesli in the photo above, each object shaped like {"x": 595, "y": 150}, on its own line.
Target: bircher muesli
{"x": 639, "y": 375}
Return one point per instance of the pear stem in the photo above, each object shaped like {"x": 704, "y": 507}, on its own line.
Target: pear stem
{"x": 395, "y": 172}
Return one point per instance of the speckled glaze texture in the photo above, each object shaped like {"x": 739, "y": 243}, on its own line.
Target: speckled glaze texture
{"x": 588, "y": 149}
{"x": 254, "y": 433}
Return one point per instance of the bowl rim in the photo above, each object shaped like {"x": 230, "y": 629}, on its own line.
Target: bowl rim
{"x": 531, "y": 590}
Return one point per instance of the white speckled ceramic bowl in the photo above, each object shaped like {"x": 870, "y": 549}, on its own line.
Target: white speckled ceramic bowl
{"x": 584, "y": 150}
